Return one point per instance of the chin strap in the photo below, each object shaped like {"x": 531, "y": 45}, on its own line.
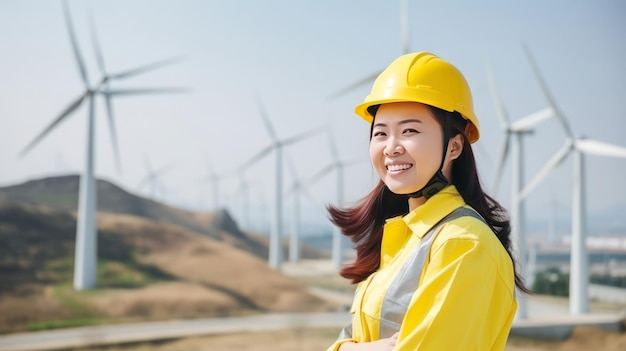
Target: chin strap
{"x": 438, "y": 181}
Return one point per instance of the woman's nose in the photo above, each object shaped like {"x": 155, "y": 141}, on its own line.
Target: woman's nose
{"x": 393, "y": 148}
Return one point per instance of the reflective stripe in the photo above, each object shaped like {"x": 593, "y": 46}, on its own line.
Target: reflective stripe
{"x": 399, "y": 294}
{"x": 346, "y": 333}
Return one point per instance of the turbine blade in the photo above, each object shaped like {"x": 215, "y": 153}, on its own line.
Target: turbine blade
{"x": 301, "y": 136}
{"x": 547, "y": 94}
{"x": 74, "y": 43}
{"x": 482, "y": 153}
{"x": 323, "y": 172}
{"x": 354, "y": 86}
{"x": 404, "y": 26}
{"x": 256, "y": 158}
{"x": 352, "y": 162}
{"x": 307, "y": 193}
{"x": 504, "y": 151}
{"x": 113, "y": 133}
{"x": 96, "y": 43}
{"x": 266, "y": 120}
{"x": 147, "y": 91}
{"x": 595, "y": 147}
{"x": 144, "y": 69}
{"x": 147, "y": 164}
{"x": 293, "y": 188}
{"x": 500, "y": 111}
{"x": 143, "y": 182}
{"x": 68, "y": 110}
{"x": 163, "y": 170}
{"x": 554, "y": 162}
{"x": 529, "y": 122}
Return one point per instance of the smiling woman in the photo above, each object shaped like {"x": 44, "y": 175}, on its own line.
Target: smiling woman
{"x": 434, "y": 266}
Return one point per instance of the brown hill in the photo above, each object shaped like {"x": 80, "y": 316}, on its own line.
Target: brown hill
{"x": 61, "y": 193}
{"x": 146, "y": 270}
{"x": 154, "y": 261}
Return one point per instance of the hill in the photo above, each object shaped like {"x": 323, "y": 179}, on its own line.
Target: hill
{"x": 190, "y": 265}
{"x": 61, "y": 193}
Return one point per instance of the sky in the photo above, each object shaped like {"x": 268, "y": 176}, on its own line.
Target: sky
{"x": 291, "y": 56}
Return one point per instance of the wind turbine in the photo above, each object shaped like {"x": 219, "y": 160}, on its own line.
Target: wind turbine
{"x": 404, "y": 37}
{"x": 244, "y": 192}
{"x": 515, "y": 131}
{"x": 296, "y": 190}
{"x": 152, "y": 179}
{"x": 86, "y": 240}
{"x": 579, "y": 146}
{"x": 275, "y": 247}
{"x": 338, "y": 165}
{"x": 214, "y": 179}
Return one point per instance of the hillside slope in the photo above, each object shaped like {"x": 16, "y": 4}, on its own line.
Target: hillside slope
{"x": 146, "y": 270}
{"x": 61, "y": 193}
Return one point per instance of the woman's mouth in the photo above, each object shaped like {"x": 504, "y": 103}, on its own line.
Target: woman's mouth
{"x": 399, "y": 167}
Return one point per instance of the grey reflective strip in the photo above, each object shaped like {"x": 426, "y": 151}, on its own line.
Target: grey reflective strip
{"x": 399, "y": 294}
{"x": 346, "y": 333}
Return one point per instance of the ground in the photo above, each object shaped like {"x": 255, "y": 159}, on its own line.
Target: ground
{"x": 583, "y": 339}
{"x": 321, "y": 274}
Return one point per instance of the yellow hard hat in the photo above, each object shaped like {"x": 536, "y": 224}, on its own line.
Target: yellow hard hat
{"x": 425, "y": 78}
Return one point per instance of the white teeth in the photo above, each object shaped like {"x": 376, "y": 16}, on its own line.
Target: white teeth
{"x": 398, "y": 167}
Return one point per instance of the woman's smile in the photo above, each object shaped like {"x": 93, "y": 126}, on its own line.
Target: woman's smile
{"x": 398, "y": 168}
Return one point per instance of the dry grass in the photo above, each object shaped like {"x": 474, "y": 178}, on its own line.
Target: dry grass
{"x": 164, "y": 300}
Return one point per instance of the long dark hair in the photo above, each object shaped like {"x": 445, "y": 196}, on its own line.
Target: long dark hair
{"x": 363, "y": 223}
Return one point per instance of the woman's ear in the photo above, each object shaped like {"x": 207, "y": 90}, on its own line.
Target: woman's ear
{"x": 455, "y": 146}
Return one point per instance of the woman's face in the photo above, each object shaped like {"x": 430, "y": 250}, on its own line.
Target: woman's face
{"x": 406, "y": 146}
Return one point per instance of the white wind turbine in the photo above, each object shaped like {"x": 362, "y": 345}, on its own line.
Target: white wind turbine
{"x": 86, "y": 239}
{"x": 296, "y": 190}
{"x": 513, "y": 138}
{"x": 215, "y": 180}
{"x": 275, "y": 246}
{"x": 338, "y": 165}
{"x": 404, "y": 37}
{"x": 579, "y": 146}
{"x": 244, "y": 192}
{"x": 152, "y": 179}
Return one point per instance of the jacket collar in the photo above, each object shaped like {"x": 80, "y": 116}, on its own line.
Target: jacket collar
{"x": 417, "y": 222}
{"x": 421, "y": 219}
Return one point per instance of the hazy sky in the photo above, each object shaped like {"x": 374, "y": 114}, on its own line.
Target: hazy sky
{"x": 292, "y": 55}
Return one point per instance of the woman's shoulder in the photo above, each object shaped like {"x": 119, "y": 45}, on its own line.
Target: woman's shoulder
{"x": 473, "y": 230}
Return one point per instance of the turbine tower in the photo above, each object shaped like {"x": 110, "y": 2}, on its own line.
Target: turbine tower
{"x": 517, "y": 130}
{"x": 275, "y": 246}
{"x": 296, "y": 190}
{"x": 405, "y": 42}
{"x": 86, "y": 236}
{"x": 294, "y": 240}
{"x": 579, "y": 146}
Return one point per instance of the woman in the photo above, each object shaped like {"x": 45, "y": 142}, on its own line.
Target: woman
{"x": 433, "y": 263}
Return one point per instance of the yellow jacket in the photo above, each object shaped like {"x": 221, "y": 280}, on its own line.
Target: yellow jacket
{"x": 462, "y": 299}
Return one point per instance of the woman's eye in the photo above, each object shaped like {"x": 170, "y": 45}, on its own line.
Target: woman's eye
{"x": 379, "y": 133}
{"x": 410, "y": 130}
